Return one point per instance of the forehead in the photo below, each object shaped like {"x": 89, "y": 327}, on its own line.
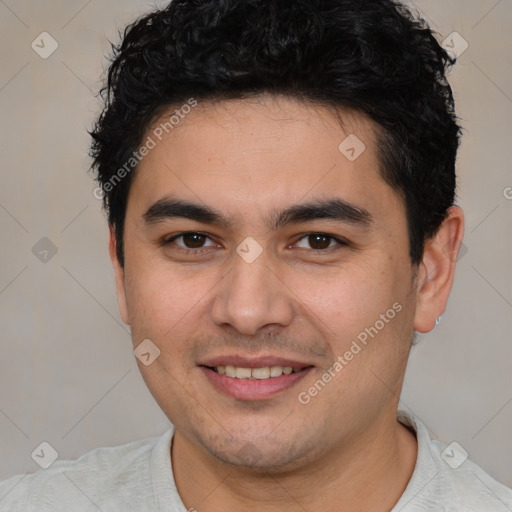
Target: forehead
{"x": 250, "y": 155}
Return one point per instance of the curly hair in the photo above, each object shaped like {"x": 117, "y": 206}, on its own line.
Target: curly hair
{"x": 370, "y": 56}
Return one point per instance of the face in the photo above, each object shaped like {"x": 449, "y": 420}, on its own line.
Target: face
{"x": 256, "y": 246}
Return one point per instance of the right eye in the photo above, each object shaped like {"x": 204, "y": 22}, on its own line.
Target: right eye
{"x": 191, "y": 241}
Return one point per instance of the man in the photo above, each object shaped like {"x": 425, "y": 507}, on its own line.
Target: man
{"x": 279, "y": 181}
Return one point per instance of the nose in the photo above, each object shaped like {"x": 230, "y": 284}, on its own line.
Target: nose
{"x": 251, "y": 298}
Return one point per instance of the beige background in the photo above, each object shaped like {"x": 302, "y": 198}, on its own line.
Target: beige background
{"x": 67, "y": 373}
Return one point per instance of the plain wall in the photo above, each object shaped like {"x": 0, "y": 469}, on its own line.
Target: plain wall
{"x": 67, "y": 372}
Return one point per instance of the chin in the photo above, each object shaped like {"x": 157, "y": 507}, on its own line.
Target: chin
{"x": 261, "y": 454}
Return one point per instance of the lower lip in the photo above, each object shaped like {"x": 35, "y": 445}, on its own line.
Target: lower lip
{"x": 253, "y": 389}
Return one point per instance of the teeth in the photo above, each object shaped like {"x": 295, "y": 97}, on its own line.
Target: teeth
{"x": 230, "y": 371}
{"x": 243, "y": 373}
{"x": 266, "y": 372}
{"x": 261, "y": 373}
{"x": 276, "y": 371}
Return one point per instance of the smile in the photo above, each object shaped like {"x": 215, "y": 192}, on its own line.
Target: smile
{"x": 265, "y": 372}
{"x": 253, "y": 384}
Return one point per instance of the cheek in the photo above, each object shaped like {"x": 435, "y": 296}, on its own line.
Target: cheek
{"x": 364, "y": 316}
{"x": 163, "y": 302}
{"x": 343, "y": 301}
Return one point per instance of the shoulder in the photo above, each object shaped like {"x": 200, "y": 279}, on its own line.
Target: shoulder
{"x": 123, "y": 471}
{"x": 446, "y": 479}
{"x": 472, "y": 486}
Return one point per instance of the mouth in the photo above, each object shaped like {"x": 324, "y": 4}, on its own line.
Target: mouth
{"x": 264, "y": 372}
{"x": 253, "y": 380}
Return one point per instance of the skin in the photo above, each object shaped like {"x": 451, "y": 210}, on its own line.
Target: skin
{"x": 246, "y": 159}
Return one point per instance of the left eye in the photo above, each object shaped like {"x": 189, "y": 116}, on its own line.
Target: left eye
{"x": 318, "y": 241}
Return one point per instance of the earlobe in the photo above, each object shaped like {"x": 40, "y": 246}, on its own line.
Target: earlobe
{"x": 437, "y": 270}
{"x": 119, "y": 276}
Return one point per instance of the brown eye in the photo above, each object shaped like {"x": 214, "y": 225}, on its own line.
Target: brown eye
{"x": 319, "y": 241}
{"x": 193, "y": 240}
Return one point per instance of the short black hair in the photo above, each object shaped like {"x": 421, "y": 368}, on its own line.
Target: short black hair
{"x": 371, "y": 56}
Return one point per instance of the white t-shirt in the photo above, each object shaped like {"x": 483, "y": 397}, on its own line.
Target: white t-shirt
{"x": 137, "y": 477}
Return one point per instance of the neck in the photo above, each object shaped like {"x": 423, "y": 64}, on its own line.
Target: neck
{"x": 369, "y": 474}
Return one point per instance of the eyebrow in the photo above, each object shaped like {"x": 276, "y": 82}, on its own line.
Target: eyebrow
{"x": 329, "y": 209}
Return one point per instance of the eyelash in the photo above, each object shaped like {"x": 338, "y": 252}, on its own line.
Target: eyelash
{"x": 339, "y": 241}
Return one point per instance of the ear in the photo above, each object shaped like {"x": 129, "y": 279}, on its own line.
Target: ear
{"x": 119, "y": 277}
{"x": 437, "y": 270}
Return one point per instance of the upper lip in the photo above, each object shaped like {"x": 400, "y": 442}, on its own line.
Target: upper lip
{"x": 253, "y": 362}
